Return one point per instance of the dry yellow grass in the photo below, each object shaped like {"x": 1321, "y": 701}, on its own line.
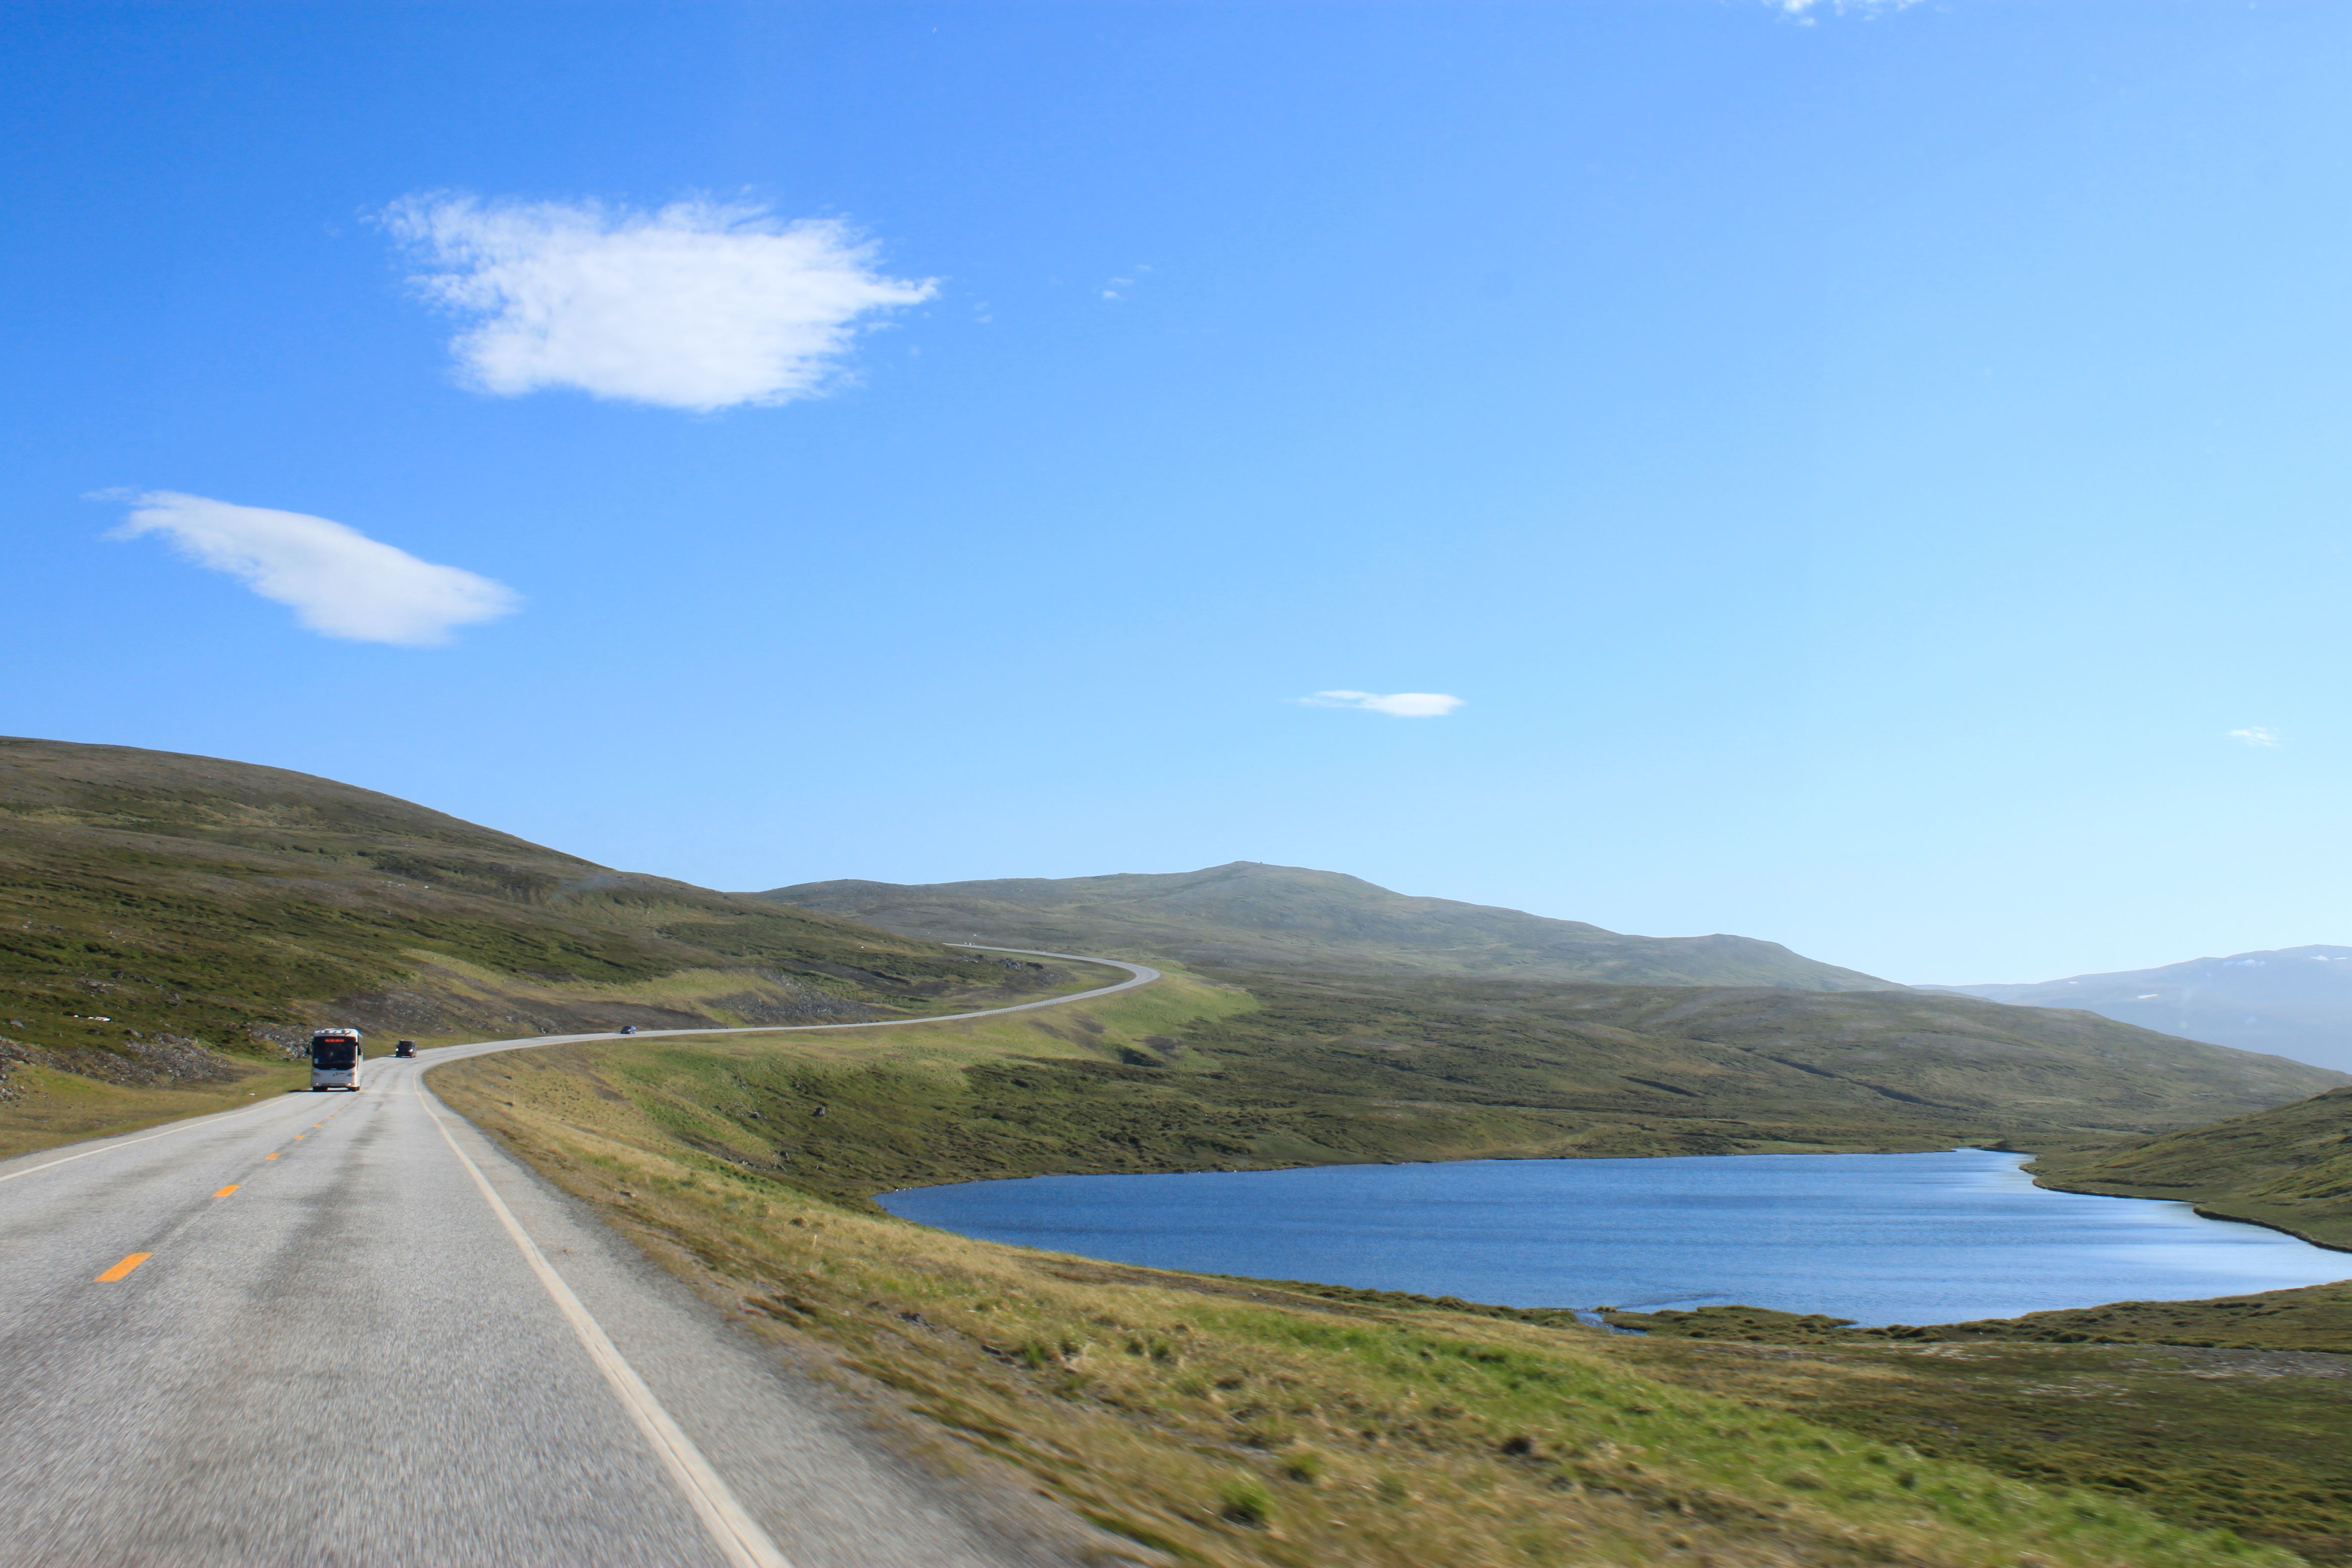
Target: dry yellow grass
{"x": 46, "y": 1109}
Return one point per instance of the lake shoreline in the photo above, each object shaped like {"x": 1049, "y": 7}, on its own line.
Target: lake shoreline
{"x": 1963, "y": 1234}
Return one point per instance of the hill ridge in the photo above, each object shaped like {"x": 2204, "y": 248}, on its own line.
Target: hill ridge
{"x": 157, "y": 897}
{"x": 1247, "y": 913}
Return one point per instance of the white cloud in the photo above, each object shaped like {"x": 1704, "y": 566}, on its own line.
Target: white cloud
{"x": 1395, "y": 704}
{"x": 2255, "y": 735}
{"x": 701, "y": 305}
{"x": 339, "y": 582}
{"x": 1802, "y": 10}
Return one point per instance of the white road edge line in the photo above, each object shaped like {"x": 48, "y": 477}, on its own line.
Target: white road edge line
{"x": 738, "y": 1536}
{"x": 108, "y": 1148}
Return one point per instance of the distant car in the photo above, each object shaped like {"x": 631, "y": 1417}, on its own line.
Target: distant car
{"x": 405, "y": 1049}
{"x": 628, "y": 1029}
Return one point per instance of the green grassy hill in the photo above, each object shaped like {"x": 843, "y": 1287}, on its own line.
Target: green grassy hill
{"x": 157, "y": 910}
{"x": 1948, "y": 1066}
{"x": 1253, "y": 916}
{"x": 2290, "y": 1168}
{"x": 1291, "y": 1070}
{"x": 1257, "y": 1422}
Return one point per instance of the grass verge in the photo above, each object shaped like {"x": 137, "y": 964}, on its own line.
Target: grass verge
{"x": 41, "y": 1107}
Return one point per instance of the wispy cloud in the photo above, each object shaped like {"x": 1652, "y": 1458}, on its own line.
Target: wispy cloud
{"x": 2255, "y": 735}
{"x": 338, "y": 581}
{"x": 1395, "y": 704}
{"x": 1805, "y": 10}
{"x": 701, "y": 305}
{"x": 1119, "y": 288}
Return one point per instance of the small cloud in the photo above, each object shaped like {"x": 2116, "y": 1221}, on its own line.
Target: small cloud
{"x": 1395, "y": 704}
{"x": 339, "y": 582}
{"x": 700, "y": 305}
{"x": 1803, "y": 10}
{"x": 2255, "y": 735}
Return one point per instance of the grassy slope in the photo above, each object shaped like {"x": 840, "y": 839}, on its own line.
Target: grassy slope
{"x": 41, "y": 1106}
{"x": 151, "y": 903}
{"x": 1257, "y": 916}
{"x": 2229, "y": 1411}
{"x": 1932, "y": 1066}
{"x": 2290, "y": 1168}
{"x": 1225, "y": 1421}
{"x": 1291, "y": 1071}
{"x": 2258, "y": 1441}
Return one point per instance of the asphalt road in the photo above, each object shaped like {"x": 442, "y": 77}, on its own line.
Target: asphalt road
{"x": 344, "y": 1329}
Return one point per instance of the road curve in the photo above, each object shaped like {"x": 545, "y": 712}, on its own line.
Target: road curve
{"x": 349, "y": 1330}
{"x": 1137, "y": 974}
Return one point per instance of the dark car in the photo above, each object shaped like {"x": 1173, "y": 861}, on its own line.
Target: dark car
{"x": 628, "y": 1029}
{"x": 405, "y": 1049}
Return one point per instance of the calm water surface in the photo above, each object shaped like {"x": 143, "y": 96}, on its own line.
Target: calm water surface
{"x": 1882, "y": 1238}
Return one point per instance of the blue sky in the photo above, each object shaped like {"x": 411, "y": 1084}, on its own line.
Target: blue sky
{"x": 1873, "y": 477}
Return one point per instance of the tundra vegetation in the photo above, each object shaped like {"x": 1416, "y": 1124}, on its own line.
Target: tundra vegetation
{"x": 1260, "y": 916}
{"x": 1215, "y": 1420}
{"x": 171, "y": 926}
{"x": 2289, "y": 1167}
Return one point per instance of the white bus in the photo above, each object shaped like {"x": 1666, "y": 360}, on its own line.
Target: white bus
{"x": 335, "y": 1057}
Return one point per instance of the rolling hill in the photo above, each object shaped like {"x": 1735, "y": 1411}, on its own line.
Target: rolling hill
{"x": 158, "y": 909}
{"x": 2295, "y": 1001}
{"x": 2289, "y": 1168}
{"x": 1248, "y": 915}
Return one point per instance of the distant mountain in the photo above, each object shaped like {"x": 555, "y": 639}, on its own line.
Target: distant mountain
{"x": 2294, "y": 1002}
{"x": 1249, "y": 915}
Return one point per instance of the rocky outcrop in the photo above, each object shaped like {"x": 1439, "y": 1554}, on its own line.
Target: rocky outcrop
{"x": 157, "y": 1061}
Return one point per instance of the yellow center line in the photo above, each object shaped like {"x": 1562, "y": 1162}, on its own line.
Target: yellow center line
{"x": 123, "y": 1267}
{"x": 271, "y": 1156}
{"x": 228, "y": 1189}
{"x": 300, "y": 1136}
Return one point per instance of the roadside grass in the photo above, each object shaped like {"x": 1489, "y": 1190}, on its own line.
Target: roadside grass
{"x": 41, "y": 1106}
{"x": 42, "y": 1109}
{"x": 1218, "y": 1421}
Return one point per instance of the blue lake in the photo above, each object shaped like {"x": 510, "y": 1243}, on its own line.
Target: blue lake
{"x": 1881, "y": 1238}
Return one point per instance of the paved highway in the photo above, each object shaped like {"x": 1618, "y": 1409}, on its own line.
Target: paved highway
{"x": 346, "y": 1330}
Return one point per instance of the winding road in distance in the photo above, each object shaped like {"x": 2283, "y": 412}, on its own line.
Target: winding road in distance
{"x": 348, "y": 1330}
